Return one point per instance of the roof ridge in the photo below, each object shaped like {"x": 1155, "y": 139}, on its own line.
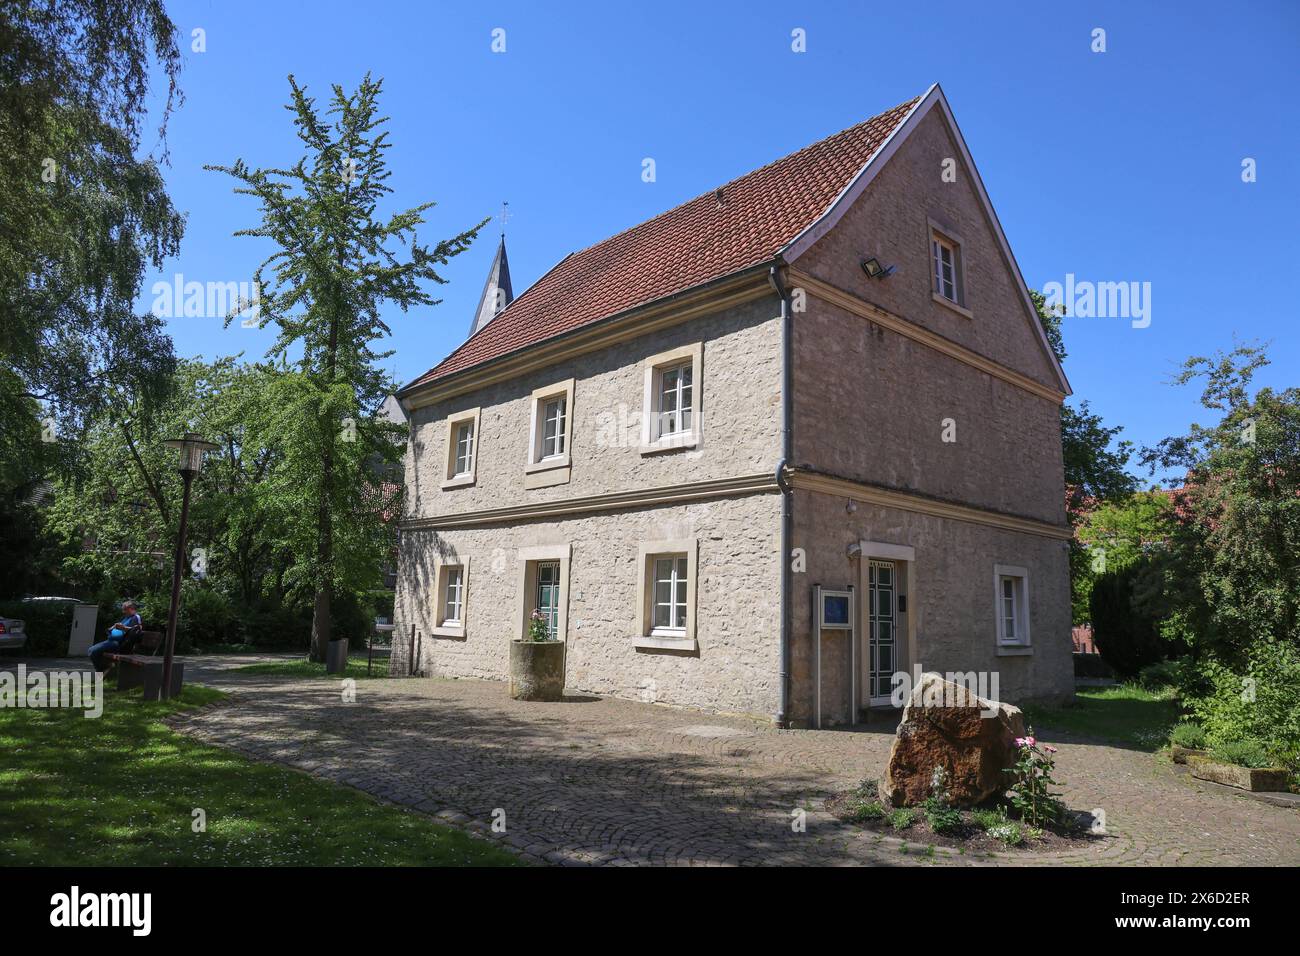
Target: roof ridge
{"x": 753, "y": 172}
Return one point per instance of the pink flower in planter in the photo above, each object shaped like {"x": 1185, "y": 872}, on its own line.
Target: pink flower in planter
{"x": 1050, "y": 750}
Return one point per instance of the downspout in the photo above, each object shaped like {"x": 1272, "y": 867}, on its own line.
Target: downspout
{"x": 787, "y": 493}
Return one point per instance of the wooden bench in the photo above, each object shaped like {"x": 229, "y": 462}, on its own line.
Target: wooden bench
{"x": 135, "y": 670}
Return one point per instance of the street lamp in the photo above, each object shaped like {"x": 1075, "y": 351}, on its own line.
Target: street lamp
{"x": 191, "y": 449}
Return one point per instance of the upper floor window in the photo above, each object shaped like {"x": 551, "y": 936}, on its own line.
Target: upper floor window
{"x": 553, "y": 419}
{"x": 551, "y": 436}
{"x": 948, "y": 269}
{"x": 672, "y": 400}
{"x": 462, "y": 448}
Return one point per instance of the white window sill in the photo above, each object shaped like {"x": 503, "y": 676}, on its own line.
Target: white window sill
{"x": 547, "y": 464}
{"x": 670, "y": 443}
{"x": 945, "y": 301}
{"x": 661, "y": 642}
{"x": 449, "y": 630}
{"x": 1014, "y": 650}
{"x": 458, "y": 481}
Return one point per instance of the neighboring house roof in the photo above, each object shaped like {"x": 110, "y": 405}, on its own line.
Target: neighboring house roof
{"x": 721, "y": 232}
{"x": 497, "y": 293}
{"x": 779, "y": 210}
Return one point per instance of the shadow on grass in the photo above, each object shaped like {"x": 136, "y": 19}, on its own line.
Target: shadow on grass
{"x": 125, "y": 789}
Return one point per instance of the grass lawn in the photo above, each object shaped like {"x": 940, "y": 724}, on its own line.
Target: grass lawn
{"x": 304, "y": 668}
{"x": 1125, "y": 714}
{"x": 122, "y": 790}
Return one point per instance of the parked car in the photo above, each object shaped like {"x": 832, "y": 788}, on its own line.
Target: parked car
{"x": 13, "y": 632}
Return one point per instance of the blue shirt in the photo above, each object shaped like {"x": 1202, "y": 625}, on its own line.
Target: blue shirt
{"x": 128, "y": 622}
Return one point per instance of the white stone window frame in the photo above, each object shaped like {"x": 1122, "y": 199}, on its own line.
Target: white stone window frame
{"x": 945, "y": 236}
{"x": 652, "y": 442}
{"x": 647, "y": 636}
{"x": 529, "y": 559}
{"x": 1022, "y": 645}
{"x": 451, "y": 479}
{"x": 442, "y": 627}
{"x": 540, "y": 472}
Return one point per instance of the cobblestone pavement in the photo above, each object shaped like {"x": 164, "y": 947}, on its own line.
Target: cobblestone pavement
{"x": 601, "y": 781}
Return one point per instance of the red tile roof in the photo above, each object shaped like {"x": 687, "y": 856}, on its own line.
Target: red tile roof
{"x": 694, "y": 243}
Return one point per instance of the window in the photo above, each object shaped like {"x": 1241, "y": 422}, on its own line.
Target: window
{"x": 450, "y": 595}
{"x": 947, "y": 269}
{"x": 551, "y": 436}
{"x": 548, "y": 595}
{"x": 666, "y": 595}
{"x": 462, "y": 448}
{"x": 454, "y": 595}
{"x": 1012, "y": 606}
{"x": 670, "y": 577}
{"x": 675, "y": 400}
{"x": 672, "y": 400}
{"x": 553, "y": 428}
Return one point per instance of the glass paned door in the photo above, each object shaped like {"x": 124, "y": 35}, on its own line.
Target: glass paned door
{"x": 882, "y": 629}
{"x": 548, "y": 594}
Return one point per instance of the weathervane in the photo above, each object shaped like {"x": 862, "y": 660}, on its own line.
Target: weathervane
{"x": 504, "y": 217}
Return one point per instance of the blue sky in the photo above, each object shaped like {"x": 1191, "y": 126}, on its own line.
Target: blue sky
{"x": 1115, "y": 166}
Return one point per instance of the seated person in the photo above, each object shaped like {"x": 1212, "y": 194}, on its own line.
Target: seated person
{"x": 121, "y": 636}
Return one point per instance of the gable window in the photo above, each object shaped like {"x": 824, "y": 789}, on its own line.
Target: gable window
{"x": 672, "y": 400}
{"x": 450, "y": 593}
{"x": 947, "y": 269}
{"x": 551, "y": 436}
{"x": 1011, "y": 603}
{"x": 666, "y": 595}
{"x": 462, "y": 448}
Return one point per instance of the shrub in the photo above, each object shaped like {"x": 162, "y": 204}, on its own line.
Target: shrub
{"x": 1160, "y": 675}
{"x": 902, "y": 818}
{"x": 863, "y": 810}
{"x": 1243, "y": 753}
{"x": 48, "y": 625}
{"x": 1188, "y": 734}
{"x": 988, "y": 819}
{"x": 1127, "y": 639}
{"x": 1258, "y": 699}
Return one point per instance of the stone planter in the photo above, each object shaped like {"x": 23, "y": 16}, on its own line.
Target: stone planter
{"x": 336, "y": 657}
{"x": 1181, "y": 754}
{"x": 537, "y": 670}
{"x": 1267, "y": 779}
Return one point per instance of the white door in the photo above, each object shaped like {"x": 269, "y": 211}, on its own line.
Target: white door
{"x": 548, "y": 594}
{"x": 882, "y": 630}
{"x": 82, "y": 635}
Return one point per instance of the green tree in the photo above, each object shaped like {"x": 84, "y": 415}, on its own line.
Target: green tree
{"x": 332, "y": 269}
{"x": 1238, "y": 538}
{"x": 1115, "y": 535}
{"x": 82, "y": 217}
{"x": 1096, "y": 464}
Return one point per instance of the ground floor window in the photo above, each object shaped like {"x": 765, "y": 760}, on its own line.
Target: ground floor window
{"x": 548, "y": 595}
{"x": 670, "y": 581}
{"x": 1011, "y": 597}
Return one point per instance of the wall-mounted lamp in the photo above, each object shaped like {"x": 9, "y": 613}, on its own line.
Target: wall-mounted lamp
{"x": 875, "y": 270}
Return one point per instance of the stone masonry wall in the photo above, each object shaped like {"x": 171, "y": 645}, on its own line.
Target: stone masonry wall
{"x": 737, "y": 614}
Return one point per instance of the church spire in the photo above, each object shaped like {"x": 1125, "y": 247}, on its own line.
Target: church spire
{"x": 497, "y": 293}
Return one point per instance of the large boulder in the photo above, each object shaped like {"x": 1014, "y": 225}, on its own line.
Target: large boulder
{"x": 946, "y": 725}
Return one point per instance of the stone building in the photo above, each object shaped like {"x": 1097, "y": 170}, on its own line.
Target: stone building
{"x": 759, "y": 454}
